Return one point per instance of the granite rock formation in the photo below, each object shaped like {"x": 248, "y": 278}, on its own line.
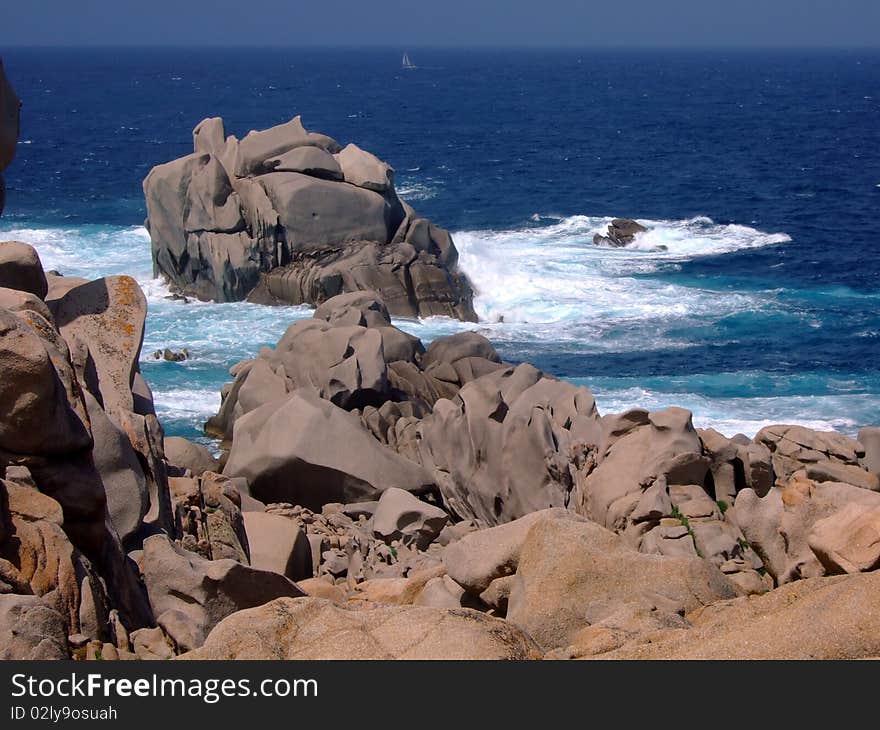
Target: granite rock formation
{"x": 285, "y": 215}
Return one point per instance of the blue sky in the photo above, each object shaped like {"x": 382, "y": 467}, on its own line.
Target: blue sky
{"x": 441, "y": 23}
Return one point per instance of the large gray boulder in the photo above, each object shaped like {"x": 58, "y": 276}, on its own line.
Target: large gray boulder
{"x": 286, "y": 215}
{"x": 346, "y": 353}
{"x": 190, "y": 595}
{"x": 128, "y": 497}
{"x": 307, "y": 451}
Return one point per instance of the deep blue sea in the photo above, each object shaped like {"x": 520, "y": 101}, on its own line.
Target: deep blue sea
{"x": 753, "y": 299}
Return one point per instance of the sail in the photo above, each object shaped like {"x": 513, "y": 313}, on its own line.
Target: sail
{"x": 406, "y": 62}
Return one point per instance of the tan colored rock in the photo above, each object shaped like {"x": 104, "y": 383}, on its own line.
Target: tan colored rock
{"x": 188, "y": 455}
{"x": 830, "y": 471}
{"x": 849, "y": 540}
{"x": 151, "y": 644}
{"x": 310, "y": 628}
{"x": 42, "y": 413}
{"x": 21, "y": 268}
{"x": 189, "y": 594}
{"x": 277, "y": 544}
{"x": 637, "y": 450}
{"x": 483, "y": 556}
{"x": 836, "y": 617}
{"x": 403, "y": 591}
{"x": 778, "y": 525}
{"x": 575, "y": 574}
{"x": 103, "y": 321}
{"x": 322, "y": 587}
{"x": 401, "y": 516}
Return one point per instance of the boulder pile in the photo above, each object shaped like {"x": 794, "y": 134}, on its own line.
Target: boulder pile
{"x": 376, "y": 498}
{"x": 291, "y": 216}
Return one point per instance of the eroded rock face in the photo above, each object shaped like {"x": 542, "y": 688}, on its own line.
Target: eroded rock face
{"x": 283, "y": 450}
{"x": 190, "y": 594}
{"x": 311, "y": 628}
{"x": 286, "y": 215}
{"x": 504, "y": 445}
{"x": 574, "y": 574}
{"x": 817, "y": 618}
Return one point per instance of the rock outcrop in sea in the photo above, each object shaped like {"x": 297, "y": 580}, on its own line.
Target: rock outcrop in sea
{"x": 287, "y": 215}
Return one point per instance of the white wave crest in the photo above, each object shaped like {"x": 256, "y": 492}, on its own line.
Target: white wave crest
{"x": 556, "y": 274}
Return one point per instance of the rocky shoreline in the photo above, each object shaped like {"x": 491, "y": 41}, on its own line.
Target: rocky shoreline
{"x": 379, "y": 499}
{"x": 376, "y": 498}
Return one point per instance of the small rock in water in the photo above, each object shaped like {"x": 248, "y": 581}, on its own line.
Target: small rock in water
{"x": 171, "y": 355}
{"x": 621, "y": 231}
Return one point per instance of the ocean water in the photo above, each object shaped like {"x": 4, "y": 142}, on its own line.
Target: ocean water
{"x": 752, "y": 299}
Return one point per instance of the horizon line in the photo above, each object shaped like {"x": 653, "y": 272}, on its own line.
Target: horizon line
{"x": 433, "y": 47}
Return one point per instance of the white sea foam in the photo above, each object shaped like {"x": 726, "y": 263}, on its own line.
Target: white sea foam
{"x": 729, "y": 416}
{"x": 554, "y": 279}
{"x": 546, "y": 285}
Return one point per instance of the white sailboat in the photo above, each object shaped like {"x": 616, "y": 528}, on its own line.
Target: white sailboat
{"x": 407, "y": 63}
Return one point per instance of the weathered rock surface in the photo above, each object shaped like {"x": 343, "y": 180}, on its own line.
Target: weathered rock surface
{"x": 278, "y": 545}
{"x": 818, "y": 618}
{"x": 778, "y": 526}
{"x": 286, "y": 215}
{"x": 350, "y": 354}
{"x": 186, "y": 455}
{"x": 401, "y": 516}
{"x": 20, "y": 268}
{"x": 29, "y": 629}
{"x": 484, "y": 556}
{"x": 311, "y": 628}
{"x": 849, "y": 540}
{"x": 574, "y": 574}
{"x": 190, "y": 595}
{"x": 208, "y": 518}
{"x": 282, "y": 449}
{"x": 503, "y": 446}
{"x": 869, "y": 438}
